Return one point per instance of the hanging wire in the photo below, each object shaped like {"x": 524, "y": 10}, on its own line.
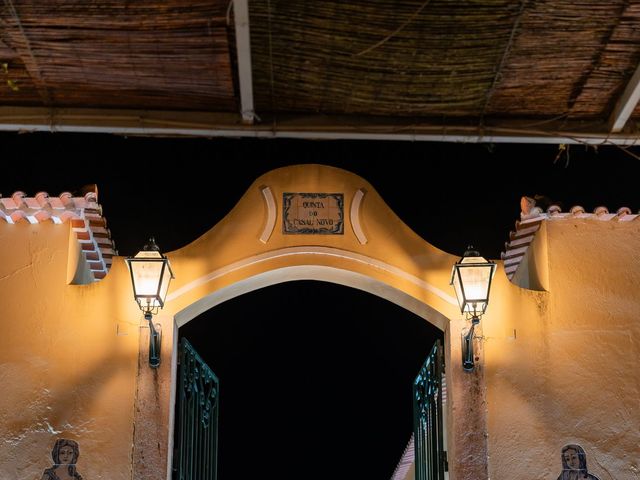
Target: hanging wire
{"x": 395, "y": 32}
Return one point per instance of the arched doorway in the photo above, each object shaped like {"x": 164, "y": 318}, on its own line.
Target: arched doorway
{"x": 316, "y": 380}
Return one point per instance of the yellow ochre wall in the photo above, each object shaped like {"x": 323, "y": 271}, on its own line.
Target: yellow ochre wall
{"x": 230, "y": 259}
{"x": 67, "y": 359}
{"x": 564, "y": 369}
{"x": 555, "y": 367}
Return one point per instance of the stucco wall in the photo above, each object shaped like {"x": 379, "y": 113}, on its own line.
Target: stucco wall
{"x": 67, "y": 360}
{"x": 73, "y": 358}
{"x": 562, "y": 365}
{"x": 555, "y": 367}
{"x": 393, "y": 263}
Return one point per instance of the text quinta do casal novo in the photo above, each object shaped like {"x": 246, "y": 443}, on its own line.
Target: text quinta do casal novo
{"x": 312, "y": 219}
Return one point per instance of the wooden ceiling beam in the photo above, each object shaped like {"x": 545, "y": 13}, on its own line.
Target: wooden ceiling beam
{"x": 321, "y": 127}
{"x": 626, "y": 104}
{"x": 243, "y": 49}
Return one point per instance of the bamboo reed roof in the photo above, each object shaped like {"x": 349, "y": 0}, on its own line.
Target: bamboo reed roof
{"x": 548, "y": 67}
{"x": 113, "y": 53}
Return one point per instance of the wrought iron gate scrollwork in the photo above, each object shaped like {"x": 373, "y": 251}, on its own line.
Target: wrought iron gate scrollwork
{"x": 430, "y": 455}
{"x": 197, "y": 418}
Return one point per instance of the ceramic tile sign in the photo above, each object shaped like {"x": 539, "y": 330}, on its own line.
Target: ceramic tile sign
{"x": 313, "y": 213}
{"x": 65, "y": 454}
{"x": 574, "y": 464}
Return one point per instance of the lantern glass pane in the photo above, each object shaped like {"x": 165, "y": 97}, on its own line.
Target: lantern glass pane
{"x": 476, "y": 282}
{"x": 166, "y": 278}
{"x": 455, "y": 280}
{"x": 146, "y": 276}
{"x": 471, "y": 279}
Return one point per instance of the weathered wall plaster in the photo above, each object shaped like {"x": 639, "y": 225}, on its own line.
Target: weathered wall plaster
{"x": 551, "y": 363}
{"x": 561, "y": 365}
{"x": 396, "y": 264}
{"x": 67, "y": 364}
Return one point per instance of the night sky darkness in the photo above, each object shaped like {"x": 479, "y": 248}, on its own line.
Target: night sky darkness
{"x": 315, "y": 378}
{"x": 449, "y": 194}
{"x": 315, "y": 381}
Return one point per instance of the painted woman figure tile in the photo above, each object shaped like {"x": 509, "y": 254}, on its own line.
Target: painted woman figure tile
{"x": 65, "y": 454}
{"x": 574, "y": 464}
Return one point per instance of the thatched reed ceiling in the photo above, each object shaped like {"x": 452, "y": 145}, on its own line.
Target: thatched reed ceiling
{"x": 142, "y": 54}
{"x": 424, "y": 63}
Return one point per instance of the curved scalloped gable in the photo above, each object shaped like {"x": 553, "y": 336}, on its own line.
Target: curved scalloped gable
{"x": 531, "y": 217}
{"x": 87, "y": 222}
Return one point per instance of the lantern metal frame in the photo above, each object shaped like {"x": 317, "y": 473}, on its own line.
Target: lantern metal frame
{"x": 472, "y": 308}
{"x": 150, "y": 304}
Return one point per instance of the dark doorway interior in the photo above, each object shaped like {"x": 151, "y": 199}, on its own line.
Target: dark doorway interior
{"x": 315, "y": 381}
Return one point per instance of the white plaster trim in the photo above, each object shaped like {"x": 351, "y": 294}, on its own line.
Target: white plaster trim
{"x": 521, "y": 240}
{"x": 527, "y": 230}
{"x": 311, "y": 250}
{"x": 34, "y": 216}
{"x": 516, "y": 251}
{"x": 536, "y": 219}
{"x": 512, "y": 268}
{"x": 596, "y": 216}
{"x": 270, "y": 202}
{"x": 321, "y": 273}
{"x": 511, "y": 261}
{"x": 355, "y": 216}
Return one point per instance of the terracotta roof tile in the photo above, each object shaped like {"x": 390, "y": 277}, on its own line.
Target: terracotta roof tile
{"x": 532, "y": 216}
{"x": 84, "y": 213}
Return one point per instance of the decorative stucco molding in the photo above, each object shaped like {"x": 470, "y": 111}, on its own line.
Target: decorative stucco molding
{"x": 355, "y": 216}
{"x": 532, "y": 216}
{"x": 310, "y": 250}
{"x": 270, "y": 203}
{"x": 84, "y": 213}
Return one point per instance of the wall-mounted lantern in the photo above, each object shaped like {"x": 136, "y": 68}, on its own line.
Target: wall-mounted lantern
{"x": 150, "y": 277}
{"x": 471, "y": 278}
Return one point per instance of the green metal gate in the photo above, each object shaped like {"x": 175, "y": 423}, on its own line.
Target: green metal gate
{"x": 430, "y": 455}
{"x": 196, "y": 438}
